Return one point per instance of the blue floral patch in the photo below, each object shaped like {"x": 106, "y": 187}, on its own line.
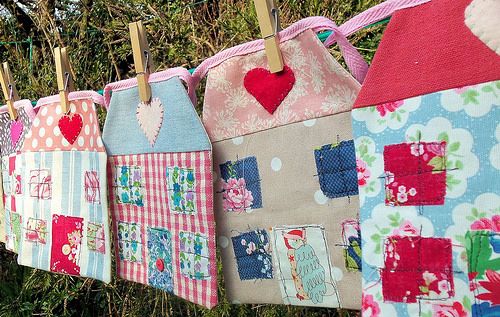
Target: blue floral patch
{"x": 128, "y": 185}
{"x": 253, "y": 255}
{"x": 129, "y": 242}
{"x": 336, "y": 165}
{"x": 160, "y": 270}
{"x": 193, "y": 255}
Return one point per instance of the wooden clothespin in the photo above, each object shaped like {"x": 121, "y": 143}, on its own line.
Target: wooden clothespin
{"x": 268, "y": 16}
{"x": 142, "y": 59}
{"x": 64, "y": 78}
{"x": 9, "y": 90}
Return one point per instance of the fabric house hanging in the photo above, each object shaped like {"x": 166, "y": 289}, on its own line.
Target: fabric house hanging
{"x": 427, "y": 133}
{"x": 160, "y": 184}
{"x": 286, "y": 179}
{"x": 62, "y": 181}
{"x": 12, "y": 135}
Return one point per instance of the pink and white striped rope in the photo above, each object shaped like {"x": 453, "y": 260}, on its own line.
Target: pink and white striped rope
{"x": 354, "y": 60}
{"x": 180, "y": 72}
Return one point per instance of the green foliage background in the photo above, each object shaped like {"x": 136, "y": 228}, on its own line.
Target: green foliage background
{"x": 180, "y": 33}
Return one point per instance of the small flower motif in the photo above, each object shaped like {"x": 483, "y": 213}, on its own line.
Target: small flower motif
{"x": 389, "y": 177}
{"x": 412, "y": 192}
{"x": 443, "y": 286}
{"x": 402, "y": 197}
{"x": 402, "y": 189}
{"x": 429, "y": 277}
{"x": 243, "y": 242}
{"x": 417, "y": 149}
{"x": 251, "y": 247}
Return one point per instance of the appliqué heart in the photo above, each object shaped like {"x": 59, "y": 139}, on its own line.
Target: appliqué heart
{"x": 479, "y": 17}
{"x": 70, "y": 126}
{"x": 150, "y": 119}
{"x": 269, "y": 89}
{"x": 16, "y": 129}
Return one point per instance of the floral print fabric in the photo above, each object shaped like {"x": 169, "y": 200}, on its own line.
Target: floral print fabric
{"x": 66, "y": 244}
{"x": 128, "y": 185}
{"x": 96, "y": 237}
{"x": 181, "y": 191}
{"x": 130, "y": 242}
{"x": 193, "y": 255}
{"x": 241, "y": 185}
{"x": 36, "y": 230}
{"x": 253, "y": 255}
{"x": 160, "y": 271}
{"x": 448, "y": 141}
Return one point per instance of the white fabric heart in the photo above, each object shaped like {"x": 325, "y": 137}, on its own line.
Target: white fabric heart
{"x": 481, "y": 17}
{"x": 150, "y": 118}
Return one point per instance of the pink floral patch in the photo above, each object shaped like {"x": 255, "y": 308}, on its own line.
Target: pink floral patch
{"x": 236, "y": 196}
{"x": 492, "y": 224}
{"x": 386, "y": 108}
{"x": 363, "y": 172}
{"x": 412, "y": 269}
{"x": 443, "y": 310}
{"x": 415, "y": 173}
{"x": 66, "y": 244}
{"x": 370, "y": 306}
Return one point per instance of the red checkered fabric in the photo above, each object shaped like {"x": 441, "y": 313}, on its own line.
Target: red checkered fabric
{"x": 156, "y": 214}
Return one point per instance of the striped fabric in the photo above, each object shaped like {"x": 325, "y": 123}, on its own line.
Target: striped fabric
{"x": 63, "y": 174}
{"x": 153, "y": 212}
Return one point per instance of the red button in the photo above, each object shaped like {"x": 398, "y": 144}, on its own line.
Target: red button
{"x": 160, "y": 265}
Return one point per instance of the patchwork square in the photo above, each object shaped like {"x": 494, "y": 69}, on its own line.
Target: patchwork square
{"x": 130, "y": 242}
{"x": 92, "y": 187}
{"x": 253, "y": 255}
{"x": 351, "y": 235}
{"x": 241, "y": 190}
{"x": 160, "y": 272}
{"x": 415, "y": 173}
{"x": 193, "y": 255}
{"x": 483, "y": 257}
{"x": 16, "y": 180}
{"x": 96, "y": 237}
{"x": 67, "y": 233}
{"x": 40, "y": 184}
{"x": 128, "y": 185}
{"x": 417, "y": 268}
{"x": 336, "y": 166}
{"x": 36, "y": 230}
{"x": 181, "y": 190}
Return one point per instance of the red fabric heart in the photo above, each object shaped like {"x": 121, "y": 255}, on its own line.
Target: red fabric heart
{"x": 269, "y": 89}
{"x": 70, "y": 126}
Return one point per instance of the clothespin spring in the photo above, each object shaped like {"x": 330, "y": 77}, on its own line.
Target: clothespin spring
{"x": 276, "y": 17}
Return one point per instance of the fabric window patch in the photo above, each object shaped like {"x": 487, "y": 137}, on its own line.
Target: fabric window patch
{"x": 336, "y": 166}
{"x": 160, "y": 271}
{"x": 193, "y": 255}
{"x": 92, "y": 187}
{"x": 483, "y": 257}
{"x": 36, "y": 230}
{"x": 413, "y": 271}
{"x": 66, "y": 244}
{"x": 181, "y": 190}
{"x": 40, "y": 184}
{"x": 96, "y": 237}
{"x": 15, "y": 232}
{"x": 351, "y": 235}
{"x": 253, "y": 255}
{"x": 304, "y": 267}
{"x": 130, "y": 242}
{"x": 415, "y": 173}
{"x": 241, "y": 190}
{"x": 128, "y": 185}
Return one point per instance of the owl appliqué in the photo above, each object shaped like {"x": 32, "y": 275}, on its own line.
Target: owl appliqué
{"x": 307, "y": 272}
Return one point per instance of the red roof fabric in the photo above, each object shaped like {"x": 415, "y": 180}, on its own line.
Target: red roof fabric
{"x": 426, "y": 49}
